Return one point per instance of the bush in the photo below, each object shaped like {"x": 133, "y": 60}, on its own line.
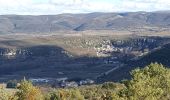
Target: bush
{"x": 109, "y": 85}
{"x": 149, "y": 83}
{"x": 28, "y": 92}
{"x": 65, "y": 94}
{"x": 11, "y": 84}
{"x": 7, "y": 95}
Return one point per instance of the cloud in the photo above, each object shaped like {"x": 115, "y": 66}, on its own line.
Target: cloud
{"x": 40, "y": 7}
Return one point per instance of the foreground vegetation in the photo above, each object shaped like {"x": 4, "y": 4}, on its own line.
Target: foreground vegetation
{"x": 149, "y": 83}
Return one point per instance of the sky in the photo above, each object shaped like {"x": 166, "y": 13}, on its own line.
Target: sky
{"x": 46, "y": 7}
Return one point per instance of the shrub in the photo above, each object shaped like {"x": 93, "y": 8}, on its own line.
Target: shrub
{"x": 65, "y": 94}
{"x": 7, "y": 95}
{"x": 11, "y": 84}
{"x": 149, "y": 83}
{"x": 109, "y": 85}
{"x": 28, "y": 92}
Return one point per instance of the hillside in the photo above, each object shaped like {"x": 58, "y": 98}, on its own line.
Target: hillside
{"x": 154, "y": 76}
{"x": 84, "y": 46}
{"x": 160, "y": 55}
{"x": 135, "y": 22}
{"x": 82, "y": 56}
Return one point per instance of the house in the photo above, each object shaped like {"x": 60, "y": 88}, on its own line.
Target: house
{"x": 86, "y": 82}
{"x": 39, "y": 80}
{"x": 68, "y": 84}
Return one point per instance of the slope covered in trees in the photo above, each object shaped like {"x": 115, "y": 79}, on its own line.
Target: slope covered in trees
{"x": 149, "y": 83}
{"x": 160, "y": 55}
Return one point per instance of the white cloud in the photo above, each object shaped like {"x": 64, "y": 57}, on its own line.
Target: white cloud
{"x": 79, "y": 6}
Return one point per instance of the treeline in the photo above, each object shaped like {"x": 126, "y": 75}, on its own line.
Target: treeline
{"x": 150, "y": 83}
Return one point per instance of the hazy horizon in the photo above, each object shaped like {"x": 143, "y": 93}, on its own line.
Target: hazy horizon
{"x": 54, "y": 7}
{"x": 85, "y": 13}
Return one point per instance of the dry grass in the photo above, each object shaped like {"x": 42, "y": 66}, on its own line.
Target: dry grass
{"x": 76, "y": 43}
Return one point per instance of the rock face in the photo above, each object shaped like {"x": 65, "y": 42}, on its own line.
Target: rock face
{"x": 9, "y": 53}
{"x": 132, "y": 21}
{"x": 40, "y": 51}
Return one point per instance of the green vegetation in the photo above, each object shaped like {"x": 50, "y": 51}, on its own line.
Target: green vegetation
{"x": 12, "y": 84}
{"x": 28, "y": 92}
{"x": 149, "y": 83}
{"x": 7, "y": 94}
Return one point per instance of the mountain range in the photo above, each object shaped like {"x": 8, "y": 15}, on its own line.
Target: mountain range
{"x": 130, "y": 21}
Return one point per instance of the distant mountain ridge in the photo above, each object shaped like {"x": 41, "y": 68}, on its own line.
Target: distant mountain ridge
{"x": 130, "y": 21}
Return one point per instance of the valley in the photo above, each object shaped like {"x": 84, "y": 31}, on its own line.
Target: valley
{"x": 84, "y": 50}
{"x": 72, "y": 56}
{"x": 97, "y": 46}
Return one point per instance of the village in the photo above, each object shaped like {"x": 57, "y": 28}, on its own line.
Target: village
{"x": 61, "y": 82}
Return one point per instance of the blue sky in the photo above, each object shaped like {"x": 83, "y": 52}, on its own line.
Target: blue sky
{"x": 44, "y": 7}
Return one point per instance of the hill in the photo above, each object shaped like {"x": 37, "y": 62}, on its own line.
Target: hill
{"x": 160, "y": 55}
{"x": 130, "y": 21}
{"x": 82, "y": 57}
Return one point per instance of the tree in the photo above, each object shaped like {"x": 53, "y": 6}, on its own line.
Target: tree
{"x": 109, "y": 85}
{"x": 65, "y": 94}
{"x": 12, "y": 84}
{"x": 28, "y": 92}
{"x": 6, "y": 95}
{"x": 149, "y": 83}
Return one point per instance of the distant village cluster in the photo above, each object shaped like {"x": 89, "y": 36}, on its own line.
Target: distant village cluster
{"x": 62, "y": 82}
{"x": 106, "y": 48}
{"x": 118, "y": 48}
